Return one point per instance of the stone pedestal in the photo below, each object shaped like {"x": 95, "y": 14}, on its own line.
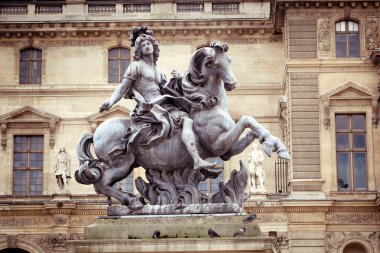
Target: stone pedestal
{"x": 178, "y": 233}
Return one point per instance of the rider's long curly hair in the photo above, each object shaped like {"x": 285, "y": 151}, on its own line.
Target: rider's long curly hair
{"x": 138, "y": 53}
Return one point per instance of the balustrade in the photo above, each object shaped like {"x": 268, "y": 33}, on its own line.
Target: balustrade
{"x": 48, "y": 9}
{"x": 14, "y": 10}
{"x": 130, "y": 8}
{"x": 101, "y": 8}
{"x": 190, "y": 7}
{"x": 225, "y": 7}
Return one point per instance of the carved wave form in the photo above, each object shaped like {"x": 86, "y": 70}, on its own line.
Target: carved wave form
{"x": 181, "y": 187}
{"x": 234, "y": 190}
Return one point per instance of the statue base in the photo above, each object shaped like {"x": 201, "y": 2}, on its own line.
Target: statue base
{"x": 221, "y": 208}
{"x": 177, "y": 233}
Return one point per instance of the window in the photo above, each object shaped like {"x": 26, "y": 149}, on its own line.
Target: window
{"x": 126, "y": 184}
{"x": 27, "y": 165}
{"x": 347, "y": 39}
{"x": 30, "y": 66}
{"x": 118, "y": 61}
{"x": 351, "y": 152}
{"x": 212, "y": 185}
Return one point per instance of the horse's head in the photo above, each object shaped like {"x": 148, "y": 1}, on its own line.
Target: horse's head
{"x": 212, "y": 61}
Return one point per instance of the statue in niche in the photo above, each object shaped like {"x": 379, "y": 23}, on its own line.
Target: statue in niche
{"x": 175, "y": 127}
{"x": 256, "y": 170}
{"x": 62, "y": 169}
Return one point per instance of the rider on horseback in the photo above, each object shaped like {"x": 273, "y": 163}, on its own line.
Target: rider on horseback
{"x": 156, "y": 115}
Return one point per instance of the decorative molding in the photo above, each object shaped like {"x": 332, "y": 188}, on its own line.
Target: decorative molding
{"x": 349, "y": 94}
{"x": 272, "y": 218}
{"x": 28, "y": 117}
{"x": 25, "y": 221}
{"x": 56, "y": 240}
{"x": 353, "y": 218}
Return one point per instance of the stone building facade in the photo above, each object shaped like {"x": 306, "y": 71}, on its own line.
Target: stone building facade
{"x": 307, "y": 70}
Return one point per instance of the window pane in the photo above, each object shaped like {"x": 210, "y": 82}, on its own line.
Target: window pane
{"x": 214, "y": 183}
{"x": 342, "y": 141}
{"x": 202, "y": 187}
{"x": 124, "y": 66}
{"x": 358, "y": 122}
{"x": 341, "y": 122}
{"x": 25, "y": 54}
{"x": 344, "y": 173}
{"x": 359, "y": 141}
{"x": 36, "y": 160}
{"x": 354, "y": 45}
{"x": 20, "y": 160}
{"x": 37, "y": 143}
{"x": 124, "y": 53}
{"x": 19, "y": 182}
{"x": 35, "y": 187}
{"x": 340, "y": 26}
{"x": 341, "y": 45}
{"x": 113, "y": 53}
{"x": 360, "y": 171}
{"x": 24, "y": 72}
{"x": 21, "y": 143}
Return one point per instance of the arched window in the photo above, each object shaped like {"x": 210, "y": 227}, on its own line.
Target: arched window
{"x": 118, "y": 61}
{"x": 347, "y": 39}
{"x": 30, "y": 66}
{"x": 354, "y": 248}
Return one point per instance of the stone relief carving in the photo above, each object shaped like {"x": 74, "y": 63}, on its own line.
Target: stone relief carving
{"x": 371, "y": 33}
{"x": 282, "y": 239}
{"x": 335, "y": 239}
{"x": 347, "y": 218}
{"x": 272, "y": 218}
{"x": 56, "y": 240}
{"x": 24, "y": 222}
{"x": 324, "y": 35}
{"x": 59, "y": 220}
{"x": 12, "y": 241}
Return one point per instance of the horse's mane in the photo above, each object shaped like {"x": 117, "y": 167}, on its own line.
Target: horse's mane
{"x": 194, "y": 79}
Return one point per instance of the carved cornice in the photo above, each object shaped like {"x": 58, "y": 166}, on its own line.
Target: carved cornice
{"x": 336, "y": 97}
{"x": 32, "y": 117}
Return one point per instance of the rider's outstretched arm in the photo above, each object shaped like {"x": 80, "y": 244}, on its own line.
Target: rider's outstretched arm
{"x": 120, "y": 90}
{"x": 131, "y": 74}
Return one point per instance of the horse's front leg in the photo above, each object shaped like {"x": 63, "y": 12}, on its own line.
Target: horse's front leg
{"x": 269, "y": 142}
{"x": 240, "y": 145}
{"x": 229, "y": 139}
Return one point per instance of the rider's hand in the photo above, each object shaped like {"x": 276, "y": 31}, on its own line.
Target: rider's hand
{"x": 105, "y": 106}
{"x": 176, "y": 74}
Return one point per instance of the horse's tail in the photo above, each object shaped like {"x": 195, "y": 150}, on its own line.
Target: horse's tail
{"x": 90, "y": 170}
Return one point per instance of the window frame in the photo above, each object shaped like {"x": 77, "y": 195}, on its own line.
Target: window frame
{"x": 30, "y": 61}
{"x": 28, "y": 167}
{"x": 119, "y": 60}
{"x": 209, "y": 181}
{"x": 347, "y": 33}
{"x": 351, "y": 150}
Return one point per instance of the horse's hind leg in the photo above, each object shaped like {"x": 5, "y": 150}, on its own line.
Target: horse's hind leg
{"x": 119, "y": 169}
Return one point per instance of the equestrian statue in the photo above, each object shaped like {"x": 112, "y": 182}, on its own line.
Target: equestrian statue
{"x": 176, "y": 126}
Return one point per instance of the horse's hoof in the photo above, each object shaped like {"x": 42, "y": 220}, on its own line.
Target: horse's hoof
{"x": 284, "y": 154}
